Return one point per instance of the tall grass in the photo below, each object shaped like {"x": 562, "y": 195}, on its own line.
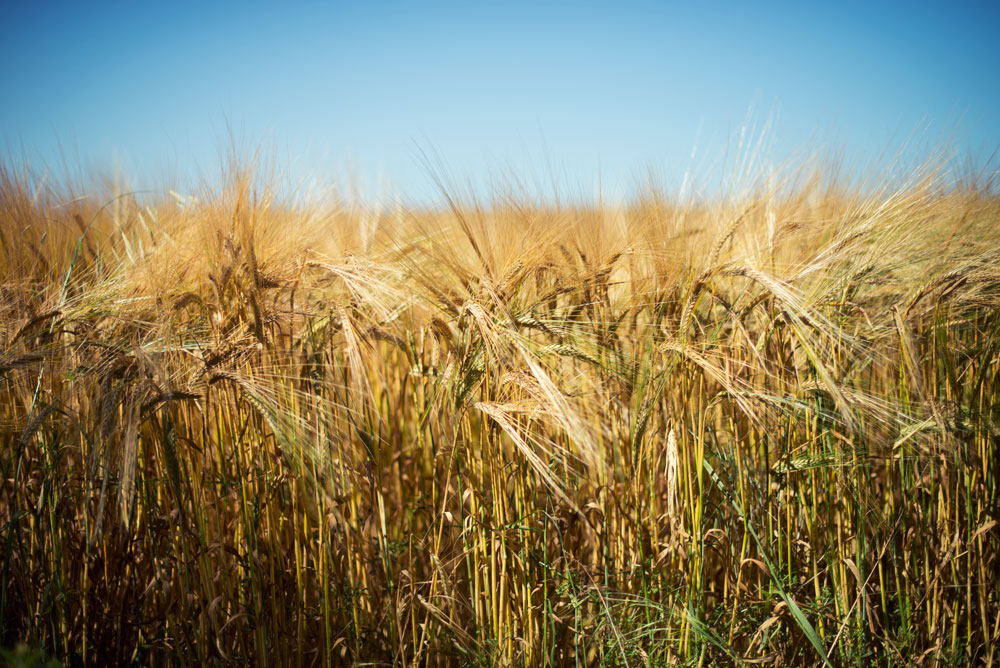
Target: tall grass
{"x": 758, "y": 430}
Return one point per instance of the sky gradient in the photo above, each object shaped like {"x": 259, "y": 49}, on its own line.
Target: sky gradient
{"x": 551, "y": 92}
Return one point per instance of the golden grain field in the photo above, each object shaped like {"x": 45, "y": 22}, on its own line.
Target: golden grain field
{"x": 759, "y": 428}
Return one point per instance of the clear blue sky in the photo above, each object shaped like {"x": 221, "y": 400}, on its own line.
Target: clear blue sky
{"x": 551, "y": 90}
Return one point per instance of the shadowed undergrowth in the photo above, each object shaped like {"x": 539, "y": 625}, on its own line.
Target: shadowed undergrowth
{"x": 758, "y": 430}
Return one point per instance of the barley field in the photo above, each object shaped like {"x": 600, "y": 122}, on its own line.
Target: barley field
{"x": 756, "y": 428}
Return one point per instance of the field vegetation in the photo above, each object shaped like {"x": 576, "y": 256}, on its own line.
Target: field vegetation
{"x": 758, "y": 428}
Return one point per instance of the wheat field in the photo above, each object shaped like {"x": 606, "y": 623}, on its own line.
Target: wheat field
{"x": 757, "y": 428}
